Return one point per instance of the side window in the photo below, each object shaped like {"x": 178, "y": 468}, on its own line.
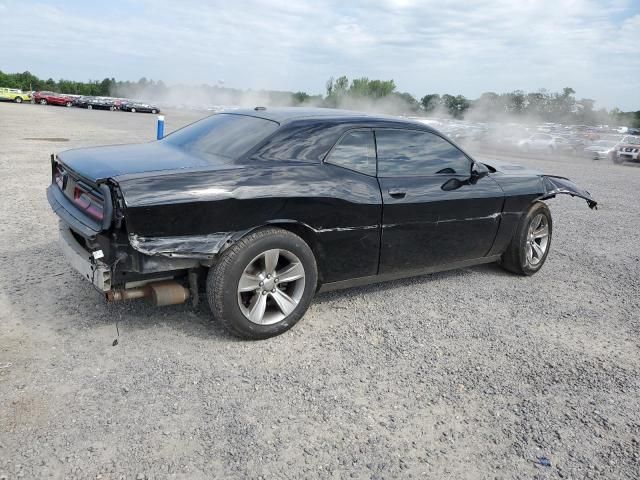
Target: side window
{"x": 355, "y": 151}
{"x": 403, "y": 153}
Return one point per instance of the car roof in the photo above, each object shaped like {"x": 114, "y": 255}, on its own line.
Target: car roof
{"x": 287, "y": 114}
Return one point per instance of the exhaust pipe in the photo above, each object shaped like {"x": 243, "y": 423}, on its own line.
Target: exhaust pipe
{"x": 160, "y": 293}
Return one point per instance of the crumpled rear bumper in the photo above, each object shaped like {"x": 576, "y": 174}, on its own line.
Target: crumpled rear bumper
{"x": 93, "y": 270}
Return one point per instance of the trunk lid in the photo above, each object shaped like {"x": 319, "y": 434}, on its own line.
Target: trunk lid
{"x": 97, "y": 164}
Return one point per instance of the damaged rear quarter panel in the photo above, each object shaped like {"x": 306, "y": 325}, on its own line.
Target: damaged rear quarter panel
{"x": 194, "y": 213}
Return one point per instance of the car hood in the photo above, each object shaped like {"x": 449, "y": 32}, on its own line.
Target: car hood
{"x": 508, "y": 168}
{"x": 98, "y": 164}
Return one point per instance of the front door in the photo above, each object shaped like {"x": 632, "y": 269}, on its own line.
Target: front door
{"x": 432, "y": 215}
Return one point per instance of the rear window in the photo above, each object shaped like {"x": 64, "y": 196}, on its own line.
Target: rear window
{"x": 355, "y": 151}
{"x": 224, "y": 134}
{"x": 302, "y": 140}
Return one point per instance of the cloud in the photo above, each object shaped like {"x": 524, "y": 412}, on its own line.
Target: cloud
{"x": 455, "y": 46}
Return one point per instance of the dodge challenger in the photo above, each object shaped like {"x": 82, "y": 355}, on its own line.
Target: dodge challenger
{"x": 259, "y": 209}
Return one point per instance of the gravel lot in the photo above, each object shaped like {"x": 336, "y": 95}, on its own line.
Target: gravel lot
{"x": 466, "y": 374}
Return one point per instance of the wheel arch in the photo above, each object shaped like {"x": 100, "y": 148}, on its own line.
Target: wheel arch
{"x": 301, "y": 229}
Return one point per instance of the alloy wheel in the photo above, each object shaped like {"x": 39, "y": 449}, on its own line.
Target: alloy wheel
{"x": 537, "y": 240}
{"x": 271, "y": 287}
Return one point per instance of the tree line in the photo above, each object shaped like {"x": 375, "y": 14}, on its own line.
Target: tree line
{"x": 363, "y": 93}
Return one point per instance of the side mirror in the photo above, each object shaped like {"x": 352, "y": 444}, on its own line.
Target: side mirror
{"x": 453, "y": 184}
{"x": 478, "y": 170}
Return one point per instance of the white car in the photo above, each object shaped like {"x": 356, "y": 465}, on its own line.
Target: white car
{"x": 601, "y": 150}
{"x": 543, "y": 142}
{"x": 628, "y": 149}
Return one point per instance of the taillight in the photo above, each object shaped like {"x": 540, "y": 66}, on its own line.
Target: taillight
{"x": 88, "y": 202}
{"x": 58, "y": 177}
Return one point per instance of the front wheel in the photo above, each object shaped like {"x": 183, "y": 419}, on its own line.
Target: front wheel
{"x": 89, "y": 107}
{"x": 530, "y": 244}
{"x": 69, "y": 104}
{"x": 43, "y": 101}
{"x": 18, "y": 99}
{"x": 263, "y": 284}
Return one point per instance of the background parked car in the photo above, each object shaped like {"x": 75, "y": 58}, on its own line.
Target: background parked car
{"x": 14, "y": 95}
{"x": 628, "y": 150}
{"x": 601, "y": 150}
{"x": 100, "y": 103}
{"x": 138, "y": 107}
{"x": 543, "y": 142}
{"x": 53, "y": 98}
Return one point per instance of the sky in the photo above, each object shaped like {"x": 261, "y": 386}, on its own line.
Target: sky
{"x": 432, "y": 46}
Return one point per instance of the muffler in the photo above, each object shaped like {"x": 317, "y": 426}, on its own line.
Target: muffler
{"x": 160, "y": 293}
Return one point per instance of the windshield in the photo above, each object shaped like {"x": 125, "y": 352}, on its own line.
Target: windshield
{"x": 225, "y": 134}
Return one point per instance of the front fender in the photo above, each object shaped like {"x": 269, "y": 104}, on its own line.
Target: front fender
{"x": 554, "y": 185}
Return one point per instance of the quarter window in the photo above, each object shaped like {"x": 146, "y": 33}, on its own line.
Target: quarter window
{"x": 403, "y": 153}
{"x": 355, "y": 151}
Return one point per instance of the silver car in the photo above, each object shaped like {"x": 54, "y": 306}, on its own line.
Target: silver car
{"x": 628, "y": 150}
{"x": 601, "y": 150}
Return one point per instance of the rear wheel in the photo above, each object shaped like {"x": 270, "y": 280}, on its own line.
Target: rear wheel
{"x": 89, "y": 107}
{"x": 530, "y": 244}
{"x": 18, "y": 99}
{"x": 263, "y": 284}
{"x": 43, "y": 101}
{"x": 133, "y": 110}
{"x": 69, "y": 104}
{"x": 154, "y": 111}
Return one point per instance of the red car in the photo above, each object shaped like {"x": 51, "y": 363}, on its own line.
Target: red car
{"x": 53, "y": 98}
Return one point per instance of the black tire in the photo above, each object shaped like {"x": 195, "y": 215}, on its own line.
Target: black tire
{"x": 69, "y": 104}
{"x": 133, "y": 110}
{"x": 514, "y": 259}
{"x": 154, "y": 111}
{"x": 89, "y": 107}
{"x": 224, "y": 277}
{"x": 43, "y": 101}
{"x": 18, "y": 99}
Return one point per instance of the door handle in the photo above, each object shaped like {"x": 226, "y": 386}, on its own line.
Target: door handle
{"x": 397, "y": 193}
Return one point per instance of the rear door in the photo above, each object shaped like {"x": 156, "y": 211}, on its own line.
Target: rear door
{"x": 424, "y": 222}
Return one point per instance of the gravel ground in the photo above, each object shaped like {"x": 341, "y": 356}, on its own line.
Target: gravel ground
{"x": 466, "y": 374}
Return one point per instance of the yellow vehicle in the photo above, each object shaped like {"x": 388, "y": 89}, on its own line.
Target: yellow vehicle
{"x": 14, "y": 95}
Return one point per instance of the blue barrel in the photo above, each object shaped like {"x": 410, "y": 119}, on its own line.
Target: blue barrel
{"x": 160, "y": 127}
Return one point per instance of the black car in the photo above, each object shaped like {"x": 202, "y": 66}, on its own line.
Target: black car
{"x": 263, "y": 208}
{"x": 138, "y": 107}
{"x": 99, "y": 103}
